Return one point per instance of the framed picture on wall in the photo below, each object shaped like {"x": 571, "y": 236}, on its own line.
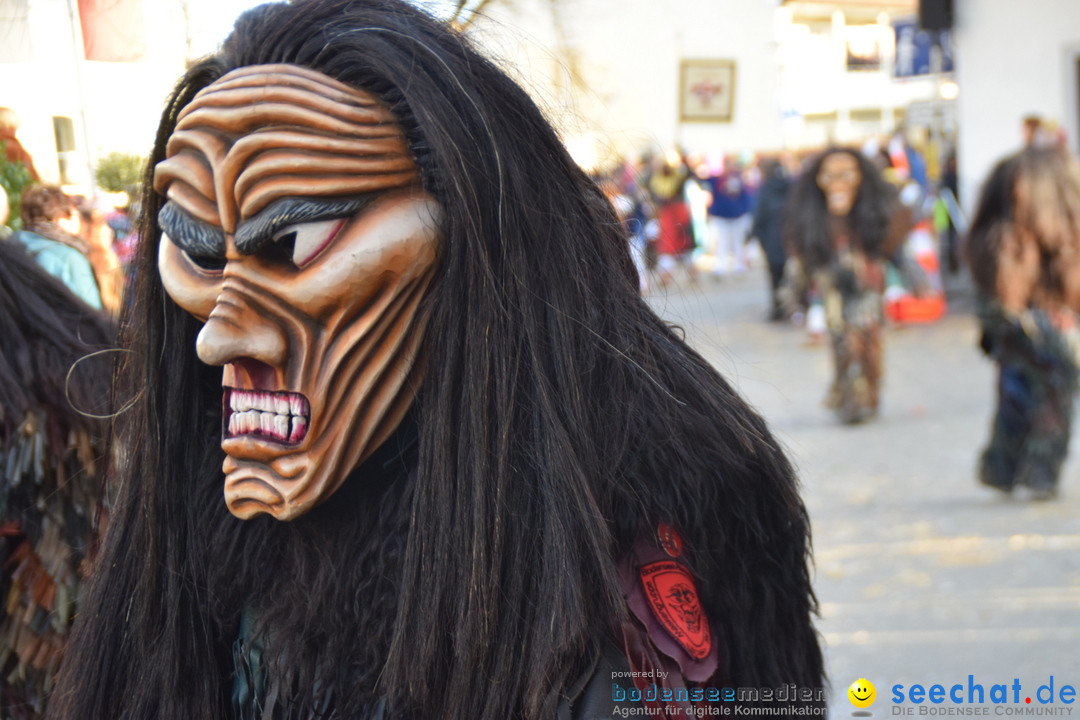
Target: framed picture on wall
{"x": 706, "y": 90}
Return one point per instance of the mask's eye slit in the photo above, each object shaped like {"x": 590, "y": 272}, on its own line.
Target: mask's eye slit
{"x": 280, "y": 248}
{"x": 207, "y": 263}
{"x": 312, "y": 238}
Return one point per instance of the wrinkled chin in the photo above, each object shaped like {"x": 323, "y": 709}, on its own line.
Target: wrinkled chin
{"x": 262, "y": 488}
{"x": 264, "y": 477}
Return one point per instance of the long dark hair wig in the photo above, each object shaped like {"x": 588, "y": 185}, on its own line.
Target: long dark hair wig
{"x": 560, "y": 419}
{"x": 1030, "y": 198}
{"x": 810, "y": 229}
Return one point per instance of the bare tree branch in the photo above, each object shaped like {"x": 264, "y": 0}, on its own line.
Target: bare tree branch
{"x": 457, "y": 11}
{"x": 463, "y": 25}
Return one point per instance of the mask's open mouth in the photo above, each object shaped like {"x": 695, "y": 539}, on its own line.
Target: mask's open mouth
{"x": 281, "y": 417}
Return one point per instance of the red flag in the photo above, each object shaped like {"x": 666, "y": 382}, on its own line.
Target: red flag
{"x": 113, "y": 30}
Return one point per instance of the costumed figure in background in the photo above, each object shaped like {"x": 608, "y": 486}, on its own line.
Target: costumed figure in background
{"x": 840, "y": 228}
{"x": 468, "y": 473}
{"x": 1024, "y": 251}
{"x": 51, "y": 459}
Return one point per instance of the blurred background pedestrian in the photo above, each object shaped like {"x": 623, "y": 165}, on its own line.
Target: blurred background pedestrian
{"x": 768, "y": 226}
{"x": 72, "y": 244}
{"x": 729, "y": 218}
{"x": 48, "y": 221}
{"x": 675, "y": 242}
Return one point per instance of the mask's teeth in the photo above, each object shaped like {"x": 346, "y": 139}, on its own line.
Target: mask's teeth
{"x": 299, "y": 428}
{"x": 278, "y": 415}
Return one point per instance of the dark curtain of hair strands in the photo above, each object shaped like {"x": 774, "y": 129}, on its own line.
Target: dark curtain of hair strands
{"x": 560, "y": 419}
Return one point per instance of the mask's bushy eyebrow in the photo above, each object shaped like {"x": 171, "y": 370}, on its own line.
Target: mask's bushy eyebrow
{"x": 258, "y": 230}
{"x": 190, "y": 235}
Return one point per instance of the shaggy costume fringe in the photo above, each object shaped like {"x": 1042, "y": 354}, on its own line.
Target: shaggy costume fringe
{"x": 560, "y": 420}
{"x": 51, "y": 458}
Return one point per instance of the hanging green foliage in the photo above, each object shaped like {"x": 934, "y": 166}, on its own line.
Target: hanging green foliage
{"x": 120, "y": 172}
{"x": 14, "y": 176}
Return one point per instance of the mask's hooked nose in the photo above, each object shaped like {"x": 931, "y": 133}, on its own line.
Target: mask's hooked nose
{"x": 236, "y": 330}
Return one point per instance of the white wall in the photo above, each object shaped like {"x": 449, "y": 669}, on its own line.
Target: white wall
{"x": 628, "y": 53}
{"x": 1013, "y": 58}
{"x": 123, "y": 101}
{"x": 815, "y": 80}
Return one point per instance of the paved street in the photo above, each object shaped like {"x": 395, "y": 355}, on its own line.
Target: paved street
{"x": 922, "y": 575}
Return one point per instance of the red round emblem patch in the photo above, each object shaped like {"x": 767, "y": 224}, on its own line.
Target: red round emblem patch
{"x": 669, "y": 540}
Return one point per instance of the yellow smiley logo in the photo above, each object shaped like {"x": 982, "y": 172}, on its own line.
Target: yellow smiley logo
{"x": 862, "y": 693}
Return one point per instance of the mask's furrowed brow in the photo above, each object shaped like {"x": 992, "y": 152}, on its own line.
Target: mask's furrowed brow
{"x": 255, "y": 232}
{"x": 190, "y": 235}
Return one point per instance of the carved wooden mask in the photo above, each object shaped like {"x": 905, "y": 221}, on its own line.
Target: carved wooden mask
{"x": 296, "y": 229}
{"x": 839, "y": 178}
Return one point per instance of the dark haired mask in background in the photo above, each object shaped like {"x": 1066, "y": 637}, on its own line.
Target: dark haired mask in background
{"x": 839, "y": 178}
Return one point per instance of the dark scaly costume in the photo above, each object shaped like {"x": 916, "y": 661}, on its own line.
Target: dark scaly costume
{"x": 52, "y": 460}
{"x": 483, "y": 563}
{"x": 843, "y": 259}
{"x": 851, "y": 291}
{"x": 1037, "y": 382}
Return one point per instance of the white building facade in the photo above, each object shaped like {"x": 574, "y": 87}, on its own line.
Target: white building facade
{"x": 1014, "y": 59}
{"x": 804, "y": 73}
{"x": 608, "y": 71}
